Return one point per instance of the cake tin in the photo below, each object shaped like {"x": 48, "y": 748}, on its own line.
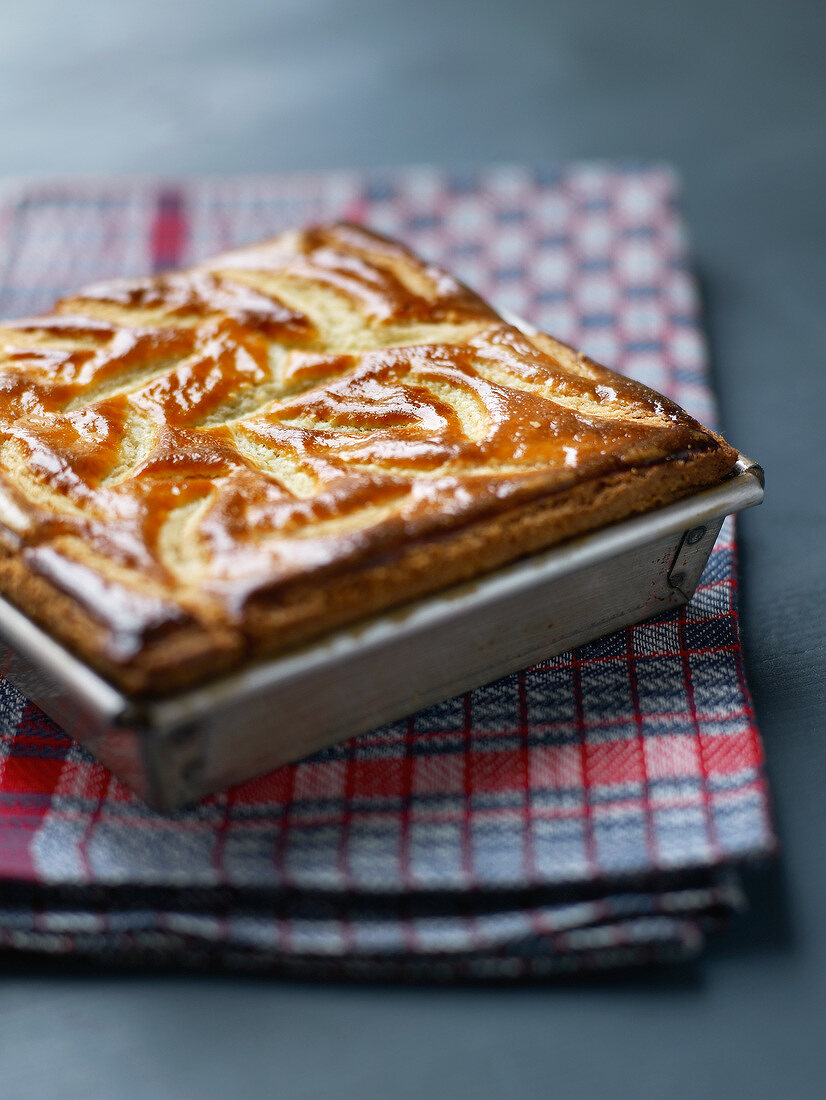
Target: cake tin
{"x": 174, "y": 750}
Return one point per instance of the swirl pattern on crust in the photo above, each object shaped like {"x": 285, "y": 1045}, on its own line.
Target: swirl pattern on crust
{"x": 194, "y": 467}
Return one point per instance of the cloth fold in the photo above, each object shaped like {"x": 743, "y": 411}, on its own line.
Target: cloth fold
{"x": 585, "y": 812}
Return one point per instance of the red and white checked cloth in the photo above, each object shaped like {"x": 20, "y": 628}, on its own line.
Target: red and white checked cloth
{"x": 583, "y": 812}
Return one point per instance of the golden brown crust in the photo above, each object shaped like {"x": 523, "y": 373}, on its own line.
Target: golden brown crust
{"x": 196, "y": 470}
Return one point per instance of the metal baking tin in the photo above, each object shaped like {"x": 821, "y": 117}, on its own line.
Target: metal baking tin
{"x": 175, "y": 750}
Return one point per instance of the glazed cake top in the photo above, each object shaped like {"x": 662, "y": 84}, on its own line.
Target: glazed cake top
{"x": 172, "y": 446}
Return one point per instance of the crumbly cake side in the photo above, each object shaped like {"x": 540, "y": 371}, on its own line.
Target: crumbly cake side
{"x": 202, "y": 468}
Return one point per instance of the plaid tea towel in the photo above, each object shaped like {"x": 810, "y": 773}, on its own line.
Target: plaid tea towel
{"x": 585, "y": 812}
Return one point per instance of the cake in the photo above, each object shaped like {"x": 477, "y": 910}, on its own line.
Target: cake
{"x": 203, "y": 468}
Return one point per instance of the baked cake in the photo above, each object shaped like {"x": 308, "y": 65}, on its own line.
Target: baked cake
{"x": 198, "y": 469}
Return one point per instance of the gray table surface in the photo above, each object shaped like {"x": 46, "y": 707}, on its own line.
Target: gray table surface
{"x": 734, "y": 94}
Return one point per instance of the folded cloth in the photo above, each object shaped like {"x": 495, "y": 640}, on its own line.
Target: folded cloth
{"x": 584, "y": 812}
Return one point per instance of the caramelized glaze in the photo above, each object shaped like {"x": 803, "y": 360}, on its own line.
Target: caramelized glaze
{"x": 172, "y": 446}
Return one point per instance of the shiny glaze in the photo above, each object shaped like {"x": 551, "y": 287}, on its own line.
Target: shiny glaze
{"x": 330, "y": 458}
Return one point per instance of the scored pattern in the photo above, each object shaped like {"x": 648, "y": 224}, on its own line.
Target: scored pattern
{"x": 300, "y": 405}
{"x": 573, "y": 815}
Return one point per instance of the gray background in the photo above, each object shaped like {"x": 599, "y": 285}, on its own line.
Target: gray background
{"x": 734, "y": 94}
